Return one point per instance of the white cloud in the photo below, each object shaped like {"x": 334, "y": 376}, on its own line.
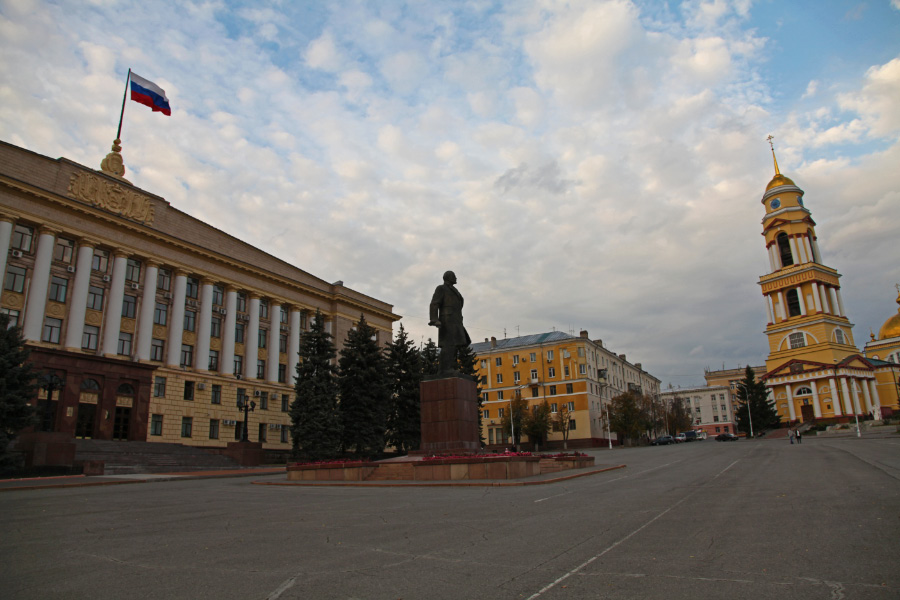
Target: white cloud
{"x": 323, "y": 54}
{"x": 876, "y": 102}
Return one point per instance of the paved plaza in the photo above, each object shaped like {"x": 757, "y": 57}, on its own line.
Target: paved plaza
{"x": 752, "y": 519}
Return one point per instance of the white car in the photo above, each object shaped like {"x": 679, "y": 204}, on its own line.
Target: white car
{"x": 680, "y": 438}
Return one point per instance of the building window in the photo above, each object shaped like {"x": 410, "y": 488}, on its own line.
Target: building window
{"x": 282, "y": 343}
{"x": 238, "y": 364}
{"x": 285, "y": 403}
{"x": 793, "y": 303}
{"x": 553, "y": 407}
{"x": 58, "y": 287}
{"x": 62, "y": 251}
{"x": 161, "y": 313}
{"x": 571, "y": 424}
{"x": 157, "y": 349}
{"x": 797, "y": 340}
{"x": 238, "y": 333}
{"x": 571, "y": 406}
{"x": 552, "y": 390}
{"x": 216, "y": 395}
{"x": 188, "y": 390}
{"x": 187, "y": 355}
{"x": 260, "y": 368}
{"x": 839, "y": 337}
{"x": 498, "y": 361}
{"x": 164, "y": 280}
{"x": 486, "y": 414}
{"x": 532, "y": 357}
{"x": 500, "y": 395}
{"x": 213, "y": 360}
{"x": 262, "y": 338}
{"x": 218, "y": 297}
{"x": 784, "y": 249}
{"x": 100, "y": 260}
{"x": 483, "y": 364}
{"x": 15, "y": 279}
{"x": 500, "y": 413}
{"x": 241, "y": 302}
{"x": 534, "y": 392}
{"x": 499, "y": 377}
{"x": 213, "y": 429}
{"x": 264, "y": 401}
{"x": 238, "y": 430}
{"x": 566, "y": 371}
{"x": 192, "y": 290}
{"x": 549, "y": 354}
{"x": 284, "y": 434}
{"x": 129, "y": 306}
{"x": 263, "y": 309}
{"x": 13, "y": 317}
{"x": 484, "y": 396}
{"x": 52, "y": 328}
{"x": 190, "y": 320}
{"x": 516, "y": 376}
{"x": 187, "y": 423}
{"x": 569, "y": 388}
{"x": 133, "y": 270}
{"x": 282, "y": 373}
{"x": 89, "y": 337}
{"x": 156, "y": 424}
{"x": 124, "y": 348}
{"x": 551, "y": 372}
{"x": 515, "y": 359}
{"x": 21, "y": 238}
{"x": 582, "y": 369}
{"x": 534, "y": 374}
{"x": 159, "y": 387}
{"x": 215, "y": 329}
{"x": 715, "y": 418}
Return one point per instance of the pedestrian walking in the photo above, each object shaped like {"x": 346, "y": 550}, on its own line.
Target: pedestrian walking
{"x": 799, "y": 437}
{"x": 791, "y": 434}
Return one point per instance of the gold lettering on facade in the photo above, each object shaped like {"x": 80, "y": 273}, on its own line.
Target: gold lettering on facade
{"x": 112, "y": 197}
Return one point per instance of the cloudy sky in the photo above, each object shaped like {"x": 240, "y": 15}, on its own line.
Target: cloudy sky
{"x": 589, "y": 165}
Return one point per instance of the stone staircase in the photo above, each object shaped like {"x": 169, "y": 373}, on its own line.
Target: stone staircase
{"x": 149, "y": 457}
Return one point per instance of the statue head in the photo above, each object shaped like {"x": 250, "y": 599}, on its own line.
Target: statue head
{"x": 450, "y": 277}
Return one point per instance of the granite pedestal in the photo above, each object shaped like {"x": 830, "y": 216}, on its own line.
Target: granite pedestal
{"x": 449, "y": 416}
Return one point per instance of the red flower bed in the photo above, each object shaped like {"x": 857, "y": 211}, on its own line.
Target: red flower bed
{"x": 471, "y": 456}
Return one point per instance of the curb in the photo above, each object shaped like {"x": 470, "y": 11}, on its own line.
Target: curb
{"x": 485, "y": 483}
{"x": 162, "y": 478}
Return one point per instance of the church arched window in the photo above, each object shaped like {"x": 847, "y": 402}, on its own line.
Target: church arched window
{"x": 784, "y": 249}
{"x": 793, "y": 303}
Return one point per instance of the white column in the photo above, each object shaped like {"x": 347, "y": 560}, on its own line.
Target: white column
{"x": 293, "y": 346}
{"x": 876, "y": 401}
{"x": 226, "y": 364}
{"x": 201, "y": 352}
{"x": 816, "y": 407}
{"x": 864, "y": 385}
{"x": 36, "y": 303}
{"x": 840, "y": 302}
{"x": 176, "y": 320}
{"x": 801, "y": 300}
{"x": 815, "y": 246}
{"x": 328, "y": 325}
{"x": 835, "y": 398}
{"x": 823, "y": 291}
{"x": 78, "y": 297}
{"x": 782, "y": 312}
{"x": 806, "y": 245}
{"x": 112, "y": 316}
{"x": 274, "y": 336}
{"x": 848, "y": 408}
{"x": 815, "y": 295}
{"x": 854, "y": 389}
{"x": 790, "y": 398}
{"x": 148, "y": 306}
{"x": 6, "y": 228}
{"x": 251, "y": 339}
{"x": 769, "y": 309}
{"x": 793, "y": 242}
{"x": 773, "y": 265}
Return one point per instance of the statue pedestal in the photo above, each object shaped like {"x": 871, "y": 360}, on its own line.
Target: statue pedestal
{"x": 449, "y": 416}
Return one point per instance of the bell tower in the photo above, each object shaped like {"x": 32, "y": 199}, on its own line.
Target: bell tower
{"x": 803, "y": 296}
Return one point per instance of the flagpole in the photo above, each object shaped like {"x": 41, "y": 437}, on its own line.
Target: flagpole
{"x": 122, "y": 114}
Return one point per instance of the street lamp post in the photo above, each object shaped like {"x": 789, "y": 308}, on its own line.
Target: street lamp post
{"x": 246, "y": 405}
{"x": 749, "y": 414}
{"x": 50, "y": 382}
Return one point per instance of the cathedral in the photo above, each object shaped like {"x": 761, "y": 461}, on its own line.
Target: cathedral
{"x": 814, "y": 370}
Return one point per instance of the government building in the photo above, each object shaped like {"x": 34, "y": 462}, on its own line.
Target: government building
{"x": 814, "y": 369}
{"x": 153, "y": 322}
{"x": 563, "y": 370}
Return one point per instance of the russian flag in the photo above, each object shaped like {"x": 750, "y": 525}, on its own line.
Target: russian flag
{"x": 149, "y": 94}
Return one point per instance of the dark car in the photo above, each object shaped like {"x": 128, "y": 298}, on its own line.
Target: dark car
{"x": 663, "y": 440}
{"x": 690, "y": 436}
{"x": 726, "y": 437}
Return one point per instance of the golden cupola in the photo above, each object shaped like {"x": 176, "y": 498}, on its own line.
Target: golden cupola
{"x": 891, "y": 327}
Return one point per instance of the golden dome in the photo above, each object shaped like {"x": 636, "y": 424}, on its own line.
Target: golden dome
{"x": 891, "y": 327}
{"x": 778, "y": 180}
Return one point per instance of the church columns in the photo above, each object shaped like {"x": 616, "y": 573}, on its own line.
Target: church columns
{"x": 876, "y": 401}
{"x": 769, "y": 309}
{"x": 848, "y": 407}
{"x": 293, "y": 354}
{"x": 226, "y": 365}
{"x": 815, "y": 393}
{"x": 78, "y": 308}
{"x": 273, "y": 355}
{"x": 204, "y": 325}
{"x": 810, "y": 257}
{"x": 251, "y": 340}
{"x": 815, "y": 295}
{"x": 781, "y": 310}
{"x": 148, "y": 306}
{"x": 801, "y": 300}
{"x": 773, "y": 262}
{"x": 840, "y": 302}
{"x": 823, "y": 291}
{"x": 790, "y": 398}
{"x": 796, "y": 254}
{"x": 36, "y": 303}
{"x": 864, "y": 384}
{"x": 835, "y": 397}
{"x": 112, "y": 317}
{"x": 176, "y": 324}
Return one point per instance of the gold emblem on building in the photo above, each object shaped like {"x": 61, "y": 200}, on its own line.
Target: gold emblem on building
{"x": 111, "y": 197}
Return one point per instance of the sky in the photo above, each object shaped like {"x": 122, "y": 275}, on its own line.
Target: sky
{"x": 591, "y": 165}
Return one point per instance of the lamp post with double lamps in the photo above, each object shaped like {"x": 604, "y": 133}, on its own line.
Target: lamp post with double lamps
{"x": 747, "y": 395}
{"x": 246, "y": 405}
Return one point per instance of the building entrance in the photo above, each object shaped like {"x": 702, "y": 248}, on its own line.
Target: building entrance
{"x": 84, "y": 425}
{"x": 807, "y": 413}
{"x": 120, "y": 425}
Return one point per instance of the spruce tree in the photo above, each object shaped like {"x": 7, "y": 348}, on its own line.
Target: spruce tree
{"x": 762, "y": 414}
{"x": 315, "y": 422}
{"x": 364, "y": 392}
{"x": 430, "y": 358}
{"x": 404, "y": 375}
{"x": 467, "y": 364}
{"x": 17, "y": 385}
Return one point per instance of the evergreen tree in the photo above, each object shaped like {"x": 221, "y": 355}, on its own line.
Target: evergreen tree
{"x": 364, "y": 391}
{"x": 431, "y": 358}
{"x": 467, "y": 364}
{"x": 315, "y": 422}
{"x": 404, "y": 374}
{"x": 762, "y": 413}
{"x": 17, "y": 385}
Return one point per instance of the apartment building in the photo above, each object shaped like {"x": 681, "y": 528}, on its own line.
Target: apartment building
{"x": 711, "y": 407}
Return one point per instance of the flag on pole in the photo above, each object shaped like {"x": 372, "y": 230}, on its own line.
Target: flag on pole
{"x": 149, "y": 94}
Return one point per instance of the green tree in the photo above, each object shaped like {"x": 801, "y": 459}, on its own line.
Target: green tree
{"x": 538, "y": 423}
{"x": 514, "y": 419}
{"x": 627, "y": 416}
{"x": 17, "y": 386}
{"x": 679, "y": 416}
{"x": 762, "y": 413}
{"x": 430, "y": 358}
{"x": 467, "y": 364}
{"x": 315, "y": 422}
{"x": 404, "y": 368}
{"x": 364, "y": 392}
{"x": 561, "y": 423}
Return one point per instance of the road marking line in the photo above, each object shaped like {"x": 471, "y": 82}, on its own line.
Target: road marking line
{"x": 549, "y": 497}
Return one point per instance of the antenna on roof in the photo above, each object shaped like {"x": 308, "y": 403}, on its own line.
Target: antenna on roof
{"x": 517, "y": 328}
{"x": 504, "y": 333}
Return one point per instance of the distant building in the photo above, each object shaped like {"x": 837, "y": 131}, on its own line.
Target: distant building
{"x": 886, "y": 347}
{"x": 559, "y": 368}
{"x": 711, "y": 407}
{"x": 155, "y": 321}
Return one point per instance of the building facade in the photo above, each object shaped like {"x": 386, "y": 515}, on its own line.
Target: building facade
{"x": 155, "y": 322}
{"x": 814, "y": 370}
{"x": 711, "y": 407}
{"x": 561, "y": 369}
{"x": 886, "y": 347}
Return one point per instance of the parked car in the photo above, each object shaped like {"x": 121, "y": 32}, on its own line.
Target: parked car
{"x": 726, "y": 437}
{"x": 689, "y": 436}
{"x": 663, "y": 440}
{"x": 680, "y": 438}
